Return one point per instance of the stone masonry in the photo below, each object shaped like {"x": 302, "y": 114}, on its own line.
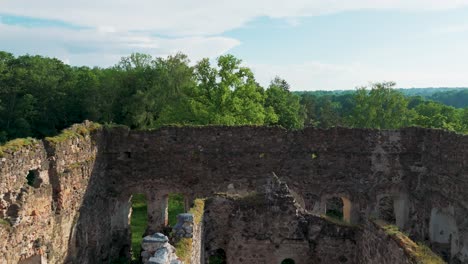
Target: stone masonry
{"x": 78, "y": 210}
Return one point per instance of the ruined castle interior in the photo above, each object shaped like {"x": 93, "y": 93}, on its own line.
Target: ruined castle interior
{"x": 267, "y": 192}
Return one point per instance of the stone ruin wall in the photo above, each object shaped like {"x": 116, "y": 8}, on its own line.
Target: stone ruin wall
{"x": 376, "y": 246}
{"x": 39, "y": 220}
{"x": 198, "y": 243}
{"x": 269, "y": 227}
{"x": 84, "y": 207}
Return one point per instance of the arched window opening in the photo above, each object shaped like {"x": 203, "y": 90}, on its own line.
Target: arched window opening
{"x": 334, "y": 208}
{"x": 387, "y": 210}
{"x": 288, "y": 261}
{"x": 138, "y": 223}
{"x": 218, "y": 257}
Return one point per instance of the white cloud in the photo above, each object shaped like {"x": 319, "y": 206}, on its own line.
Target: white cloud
{"x": 117, "y": 28}
{"x": 104, "y": 47}
{"x": 203, "y": 17}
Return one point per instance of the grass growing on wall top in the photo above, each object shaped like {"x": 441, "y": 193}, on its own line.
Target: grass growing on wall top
{"x": 419, "y": 252}
{"x": 184, "y": 246}
{"x": 197, "y": 210}
{"x": 138, "y": 223}
{"x": 16, "y": 144}
{"x": 76, "y": 131}
{"x": 184, "y": 249}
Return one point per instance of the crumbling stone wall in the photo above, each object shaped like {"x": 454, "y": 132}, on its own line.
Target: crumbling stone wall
{"x": 421, "y": 169}
{"x": 24, "y": 210}
{"x": 259, "y": 229}
{"x": 375, "y": 246}
{"x": 46, "y": 213}
{"x": 198, "y": 243}
{"x": 270, "y": 226}
{"x": 358, "y": 165}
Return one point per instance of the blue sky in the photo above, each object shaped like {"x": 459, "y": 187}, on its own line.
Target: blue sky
{"x": 312, "y": 44}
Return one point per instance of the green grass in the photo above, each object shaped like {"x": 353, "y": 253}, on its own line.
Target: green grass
{"x": 138, "y": 223}
{"x": 139, "y": 220}
{"x": 175, "y": 207}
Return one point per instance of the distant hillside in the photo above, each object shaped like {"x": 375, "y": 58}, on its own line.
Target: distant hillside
{"x": 427, "y": 92}
{"x": 456, "y": 97}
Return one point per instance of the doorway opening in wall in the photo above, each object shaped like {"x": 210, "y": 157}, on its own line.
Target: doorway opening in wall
{"x": 387, "y": 210}
{"x": 176, "y": 205}
{"x": 218, "y": 257}
{"x": 334, "y": 208}
{"x": 138, "y": 224}
{"x": 288, "y": 261}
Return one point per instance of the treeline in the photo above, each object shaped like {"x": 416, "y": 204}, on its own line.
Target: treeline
{"x": 457, "y": 98}
{"x": 40, "y": 96}
{"x": 380, "y": 106}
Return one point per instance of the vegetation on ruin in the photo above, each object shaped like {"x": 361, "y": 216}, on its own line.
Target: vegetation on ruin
{"x": 184, "y": 249}
{"x": 76, "y": 131}
{"x": 15, "y": 145}
{"x": 175, "y": 206}
{"x": 184, "y": 245}
{"x": 420, "y": 253}
{"x": 41, "y": 96}
{"x": 197, "y": 210}
{"x": 139, "y": 218}
{"x": 138, "y": 223}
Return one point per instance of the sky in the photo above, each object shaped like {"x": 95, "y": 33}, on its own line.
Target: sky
{"x": 312, "y": 44}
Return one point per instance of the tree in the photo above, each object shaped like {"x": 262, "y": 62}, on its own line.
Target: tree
{"x": 381, "y": 107}
{"x": 309, "y": 103}
{"x": 40, "y": 96}
{"x": 435, "y": 115}
{"x": 285, "y": 104}
{"x": 329, "y": 113}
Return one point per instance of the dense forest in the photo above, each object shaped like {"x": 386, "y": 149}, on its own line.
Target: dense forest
{"x": 40, "y": 96}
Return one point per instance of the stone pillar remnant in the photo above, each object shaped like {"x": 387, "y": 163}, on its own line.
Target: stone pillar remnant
{"x": 157, "y": 250}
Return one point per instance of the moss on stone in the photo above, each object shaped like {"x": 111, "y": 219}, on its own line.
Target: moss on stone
{"x": 76, "y": 131}
{"x": 16, "y": 144}
{"x": 418, "y": 252}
